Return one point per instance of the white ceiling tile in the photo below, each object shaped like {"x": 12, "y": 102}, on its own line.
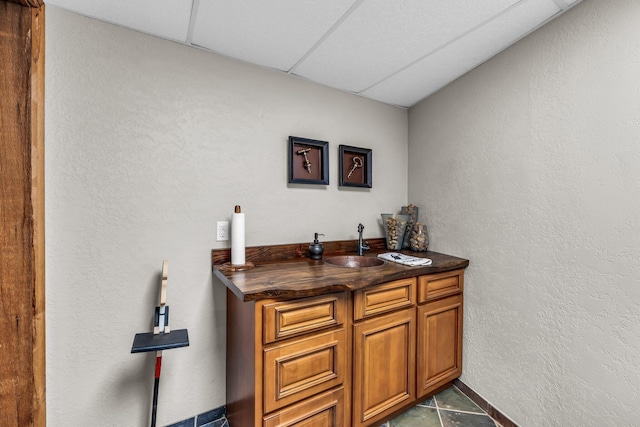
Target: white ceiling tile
{"x": 274, "y": 33}
{"x": 393, "y": 51}
{"x": 411, "y": 85}
{"x": 168, "y": 19}
{"x": 382, "y": 36}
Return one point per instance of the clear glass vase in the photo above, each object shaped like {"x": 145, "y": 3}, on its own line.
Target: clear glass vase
{"x": 419, "y": 238}
{"x": 394, "y": 226}
{"x": 412, "y": 212}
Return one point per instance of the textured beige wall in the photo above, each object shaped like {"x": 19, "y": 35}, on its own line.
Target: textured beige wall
{"x": 530, "y": 167}
{"x": 148, "y": 144}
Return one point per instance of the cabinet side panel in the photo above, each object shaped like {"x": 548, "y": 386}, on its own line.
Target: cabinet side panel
{"x": 241, "y": 363}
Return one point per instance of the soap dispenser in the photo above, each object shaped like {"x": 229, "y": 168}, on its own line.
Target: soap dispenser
{"x": 316, "y": 249}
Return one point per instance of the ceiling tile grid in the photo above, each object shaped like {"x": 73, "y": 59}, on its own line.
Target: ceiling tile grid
{"x": 383, "y": 36}
{"x": 435, "y": 71}
{"x": 274, "y": 33}
{"x": 393, "y": 51}
{"x": 168, "y": 19}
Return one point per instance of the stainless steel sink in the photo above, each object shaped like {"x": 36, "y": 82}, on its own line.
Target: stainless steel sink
{"x": 353, "y": 261}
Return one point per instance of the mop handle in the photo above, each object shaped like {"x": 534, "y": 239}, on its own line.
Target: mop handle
{"x": 161, "y": 326}
{"x": 156, "y": 386}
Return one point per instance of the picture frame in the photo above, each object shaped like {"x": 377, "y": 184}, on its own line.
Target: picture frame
{"x": 355, "y": 166}
{"x": 308, "y": 161}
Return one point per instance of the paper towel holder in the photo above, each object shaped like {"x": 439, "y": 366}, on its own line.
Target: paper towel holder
{"x": 247, "y": 265}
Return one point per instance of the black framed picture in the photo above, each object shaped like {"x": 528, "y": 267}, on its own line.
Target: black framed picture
{"x": 355, "y": 166}
{"x": 308, "y": 161}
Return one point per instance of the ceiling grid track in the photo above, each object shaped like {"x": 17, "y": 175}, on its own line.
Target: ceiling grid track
{"x": 396, "y": 53}
{"x": 453, "y": 40}
{"x": 327, "y": 34}
{"x": 192, "y": 21}
{"x": 562, "y": 4}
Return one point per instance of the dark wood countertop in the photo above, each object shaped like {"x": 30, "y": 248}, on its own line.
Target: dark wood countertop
{"x": 302, "y": 277}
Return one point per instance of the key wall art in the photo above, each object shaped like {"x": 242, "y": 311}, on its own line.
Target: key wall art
{"x": 355, "y": 166}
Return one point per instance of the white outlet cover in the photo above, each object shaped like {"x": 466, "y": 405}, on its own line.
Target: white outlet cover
{"x": 222, "y": 231}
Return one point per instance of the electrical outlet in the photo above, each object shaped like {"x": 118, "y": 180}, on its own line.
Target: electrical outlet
{"x": 222, "y": 231}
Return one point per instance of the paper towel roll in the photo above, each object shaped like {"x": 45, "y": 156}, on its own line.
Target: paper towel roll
{"x": 237, "y": 237}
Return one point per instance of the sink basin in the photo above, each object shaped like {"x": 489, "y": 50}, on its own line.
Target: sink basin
{"x": 353, "y": 261}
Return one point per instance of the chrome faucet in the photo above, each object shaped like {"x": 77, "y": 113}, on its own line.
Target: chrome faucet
{"x": 362, "y": 246}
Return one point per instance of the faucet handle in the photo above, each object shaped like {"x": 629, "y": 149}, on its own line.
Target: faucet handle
{"x": 360, "y": 228}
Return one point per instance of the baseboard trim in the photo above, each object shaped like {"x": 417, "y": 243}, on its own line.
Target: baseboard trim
{"x": 484, "y": 405}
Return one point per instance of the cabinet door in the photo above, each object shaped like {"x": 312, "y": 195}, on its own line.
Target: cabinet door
{"x": 383, "y": 365}
{"x": 439, "y": 343}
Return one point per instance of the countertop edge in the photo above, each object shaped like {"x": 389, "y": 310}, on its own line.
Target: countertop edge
{"x": 229, "y": 284}
{"x": 314, "y": 282}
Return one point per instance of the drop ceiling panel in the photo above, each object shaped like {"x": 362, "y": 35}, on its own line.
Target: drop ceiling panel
{"x": 414, "y": 83}
{"x": 168, "y": 19}
{"x": 380, "y": 37}
{"x": 274, "y": 33}
{"x": 392, "y": 51}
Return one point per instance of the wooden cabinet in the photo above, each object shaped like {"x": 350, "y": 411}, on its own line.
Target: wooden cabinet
{"x": 383, "y": 365}
{"x": 353, "y": 358}
{"x": 287, "y": 361}
{"x": 439, "y": 343}
{"x": 383, "y": 349}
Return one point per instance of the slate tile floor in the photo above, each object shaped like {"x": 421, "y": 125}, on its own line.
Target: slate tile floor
{"x": 449, "y": 408}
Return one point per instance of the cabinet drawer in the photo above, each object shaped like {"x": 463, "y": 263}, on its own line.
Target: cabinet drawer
{"x": 325, "y": 410}
{"x": 286, "y": 319}
{"x": 384, "y": 298}
{"x": 439, "y": 285}
{"x": 302, "y": 368}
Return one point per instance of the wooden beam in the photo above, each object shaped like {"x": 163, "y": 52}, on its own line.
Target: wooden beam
{"x": 22, "y": 303}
